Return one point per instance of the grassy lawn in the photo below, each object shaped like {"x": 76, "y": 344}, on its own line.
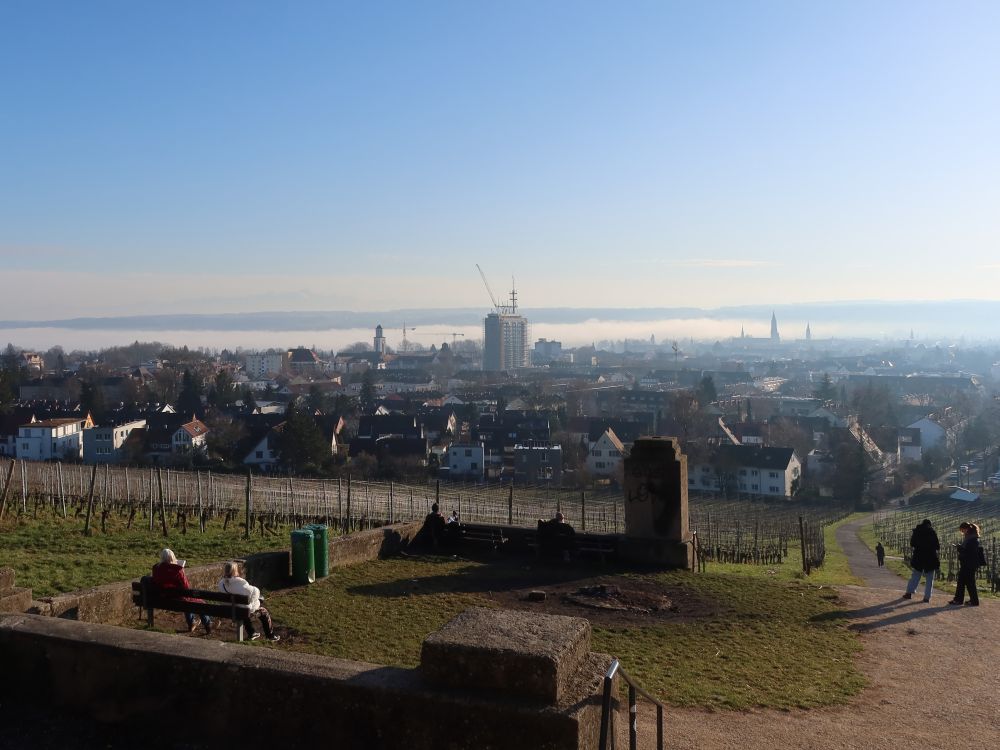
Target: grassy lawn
{"x": 758, "y": 647}
{"x": 52, "y": 555}
{"x": 754, "y": 641}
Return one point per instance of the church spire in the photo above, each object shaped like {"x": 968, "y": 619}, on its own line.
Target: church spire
{"x": 774, "y": 328}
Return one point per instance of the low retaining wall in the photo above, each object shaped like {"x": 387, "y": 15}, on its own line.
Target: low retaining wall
{"x": 112, "y": 603}
{"x": 263, "y": 697}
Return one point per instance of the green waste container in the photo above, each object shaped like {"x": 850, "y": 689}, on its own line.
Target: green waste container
{"x": 303, "y": 557}
{"x": 321, "y": 552}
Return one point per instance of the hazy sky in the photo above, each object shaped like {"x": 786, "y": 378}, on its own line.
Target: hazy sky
{"x": 200, "y": 157}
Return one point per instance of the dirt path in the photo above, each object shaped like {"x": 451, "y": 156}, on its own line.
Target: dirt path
{"x": 933, "y": 671}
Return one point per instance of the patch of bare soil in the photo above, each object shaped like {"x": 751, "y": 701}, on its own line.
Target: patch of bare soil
{"x": 614, "y": 601}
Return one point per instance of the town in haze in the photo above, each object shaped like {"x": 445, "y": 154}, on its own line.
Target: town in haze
{"x": 508, "y": 375}
{"x": 784, "y": 415}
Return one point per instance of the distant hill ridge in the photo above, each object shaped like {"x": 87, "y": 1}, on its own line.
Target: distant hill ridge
{"x": 961, "y": 317}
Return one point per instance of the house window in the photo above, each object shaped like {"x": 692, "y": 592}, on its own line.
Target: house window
{"x": 468, "y": 453}
{"x": 743, "y": 472}
{"x": 755, "y": 487}
{"x": 773, "y": 474}
{"x": 599, "y": 464}
{"x": 596, "y": 453}
{"x": 260, "y": 454}
{"x": 754, "y": 472}
{"x": 775, "y": 489}
{"x": 473, "y": 466}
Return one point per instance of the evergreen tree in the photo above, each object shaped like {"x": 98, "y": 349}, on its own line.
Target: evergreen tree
{"x": 825, "y": 391}
{"x": 367, "y": 395}
{"x": 301, "y": 443}
{"x": 706, "y": 391}
{"x": 92, "y": 401}
{"x": 189, "y": 400}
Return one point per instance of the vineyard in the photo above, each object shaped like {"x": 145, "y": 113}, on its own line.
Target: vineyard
{"x": 161, "y": 497}
{"x": 894, "y": 530}
{"x": 107, "y": 497}
{"x": 760, "y": 532}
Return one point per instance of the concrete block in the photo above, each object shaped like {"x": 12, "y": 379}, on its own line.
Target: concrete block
{"x": 533, "y": 656}
{"x": 656, "y": 490}
{"x": 15, "y": 600}
{"x": 6, "y": 579}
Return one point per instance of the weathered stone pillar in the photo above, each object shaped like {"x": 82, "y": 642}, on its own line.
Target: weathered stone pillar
{"x": 656, "y": 504}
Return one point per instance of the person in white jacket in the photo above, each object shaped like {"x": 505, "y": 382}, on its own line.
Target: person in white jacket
{"x": 231, "y": 583}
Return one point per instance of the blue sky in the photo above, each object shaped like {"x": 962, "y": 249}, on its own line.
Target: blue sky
{"x": 220, "y": 156}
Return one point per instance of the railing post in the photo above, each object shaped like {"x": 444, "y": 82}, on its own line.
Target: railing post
{"x": 633, "y": 722}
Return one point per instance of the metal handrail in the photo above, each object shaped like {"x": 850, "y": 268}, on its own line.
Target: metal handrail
{"x": 608, "y": 717}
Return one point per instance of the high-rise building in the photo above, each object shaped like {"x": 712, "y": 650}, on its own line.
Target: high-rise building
{"x": 505, "y": 342}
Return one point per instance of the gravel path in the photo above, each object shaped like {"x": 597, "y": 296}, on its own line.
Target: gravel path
{"x": 933, "y": 671}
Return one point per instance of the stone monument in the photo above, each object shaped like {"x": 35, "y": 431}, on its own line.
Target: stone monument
{"x": 656, "y": 504}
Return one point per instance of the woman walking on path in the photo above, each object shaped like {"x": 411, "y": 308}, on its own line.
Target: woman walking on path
{"x": 968, "y": 562}
{"x": 880, "y": 554}
{"x": 925, "y": 559}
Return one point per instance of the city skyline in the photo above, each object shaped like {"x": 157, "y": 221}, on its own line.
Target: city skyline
{"x": 242, "y": 157}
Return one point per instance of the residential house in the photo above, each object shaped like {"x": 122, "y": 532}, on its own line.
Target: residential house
{"x": 605, "y": 455}
{"x": 909, "y": 445}
{"x": 538, "y": 464}
{"x": 769, "y": 472}
{"x": 466, "y": 461}
{"x": 52, "y": 439}
{"x": 932, "y": 434}
{"x": 107, "y": 444}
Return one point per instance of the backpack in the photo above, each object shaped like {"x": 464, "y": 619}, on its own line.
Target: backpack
{"x": 981, "y": 556}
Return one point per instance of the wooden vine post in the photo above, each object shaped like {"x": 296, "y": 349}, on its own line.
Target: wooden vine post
{"x": 90, "y": 501}
{"x": 6, "y": 487}
{"x": 163, "y": 507}
{"x": 249, "y": 504}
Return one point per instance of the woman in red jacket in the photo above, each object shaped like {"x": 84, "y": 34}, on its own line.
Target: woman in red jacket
{"x": 169, "y": 574}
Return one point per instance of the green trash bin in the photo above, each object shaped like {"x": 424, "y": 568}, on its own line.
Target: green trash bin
{"x": 303, "y": 557}
{"x": 321, "y": 552}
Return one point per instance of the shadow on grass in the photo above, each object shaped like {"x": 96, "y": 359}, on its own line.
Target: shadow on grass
{"x": 478, "y": 578}
{"x": 896, "y": 611}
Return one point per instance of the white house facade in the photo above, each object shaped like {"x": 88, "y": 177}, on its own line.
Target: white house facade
{"x": 605, "y": 455}
{"x": 52, "y": 439}
{"x": 768, "y": 472}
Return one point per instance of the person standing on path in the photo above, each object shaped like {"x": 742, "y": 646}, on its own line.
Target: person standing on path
{"x": 880, "y": 554}
{"x": 968, "y": 562}
{"x": 925, "y": 558}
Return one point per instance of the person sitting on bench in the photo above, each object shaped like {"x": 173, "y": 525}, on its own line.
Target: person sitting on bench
{"x": 231, "y": 583}
{"x": 431, "y": 534}
{"x": 169, "y": 574}
{"x": 555, "y": 538}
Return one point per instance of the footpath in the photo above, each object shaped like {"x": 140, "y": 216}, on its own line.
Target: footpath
{"x": 933, "y": 673}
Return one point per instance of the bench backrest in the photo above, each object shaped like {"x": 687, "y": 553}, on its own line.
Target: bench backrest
{"x": 148, "y": 595}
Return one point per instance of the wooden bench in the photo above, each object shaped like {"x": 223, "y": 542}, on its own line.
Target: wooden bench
{"x": 148, "y": 596}
{"x": 489, "y": 535}
{"x": 602, "y": 546}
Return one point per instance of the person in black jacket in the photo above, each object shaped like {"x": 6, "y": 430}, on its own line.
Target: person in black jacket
{"x": 968, "y": 562}
{"x": 925, "y": 559}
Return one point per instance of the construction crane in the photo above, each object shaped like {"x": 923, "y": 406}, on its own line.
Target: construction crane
{"x": 510, "y": 309}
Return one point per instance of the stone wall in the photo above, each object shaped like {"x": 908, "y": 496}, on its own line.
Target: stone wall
{"x": 240, "y": 694}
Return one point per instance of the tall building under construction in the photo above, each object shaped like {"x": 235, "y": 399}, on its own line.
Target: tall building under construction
{"x": 505, "y": 342}
{"x": 505, "y": 337}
